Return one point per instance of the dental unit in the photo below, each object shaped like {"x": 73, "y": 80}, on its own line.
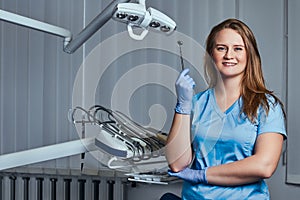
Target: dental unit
{"x": 121, "y": 143}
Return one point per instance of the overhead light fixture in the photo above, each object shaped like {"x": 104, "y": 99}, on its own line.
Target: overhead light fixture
{"x": 136, "y": 15}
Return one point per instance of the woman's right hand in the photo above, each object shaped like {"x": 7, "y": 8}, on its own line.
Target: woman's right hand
{"x": 185, "y": 91}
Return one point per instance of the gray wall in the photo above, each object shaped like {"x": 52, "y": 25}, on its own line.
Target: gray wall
{"x": 37, "y": 77}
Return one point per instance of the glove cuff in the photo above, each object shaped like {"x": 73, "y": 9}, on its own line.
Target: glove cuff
{"x": 204, "y": 176}
{"x": 184, "y": 109}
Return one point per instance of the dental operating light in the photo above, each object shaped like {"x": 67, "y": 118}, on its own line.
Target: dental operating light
{"x": 134, "y": 14}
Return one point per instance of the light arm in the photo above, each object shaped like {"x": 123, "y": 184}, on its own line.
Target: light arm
{"x": 70, "y": 45}
{"x": 35, "y": 24}
{"x": 93, "y": 26}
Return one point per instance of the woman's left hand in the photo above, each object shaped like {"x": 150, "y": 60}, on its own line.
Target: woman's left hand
{"x": 191, "y": 175}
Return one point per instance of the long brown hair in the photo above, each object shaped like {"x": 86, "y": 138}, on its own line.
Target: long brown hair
{"x": 253, "y": 88}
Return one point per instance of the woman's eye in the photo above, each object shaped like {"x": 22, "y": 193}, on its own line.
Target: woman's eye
{"x": 221, "y": 48}
{"x": 239, "y": 49}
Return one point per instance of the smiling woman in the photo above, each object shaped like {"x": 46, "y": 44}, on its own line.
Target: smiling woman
{"x": 233, "y": 163}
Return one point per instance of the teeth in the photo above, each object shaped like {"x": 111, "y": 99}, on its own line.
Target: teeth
{"x": 229, "y": 64}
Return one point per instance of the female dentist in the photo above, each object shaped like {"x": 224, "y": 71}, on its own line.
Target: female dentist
{"x": 236, "y": 126}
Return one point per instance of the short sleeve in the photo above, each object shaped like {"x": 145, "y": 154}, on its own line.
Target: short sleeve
{"x": 274, "y": 122}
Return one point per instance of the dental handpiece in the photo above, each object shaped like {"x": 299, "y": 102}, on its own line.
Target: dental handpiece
{"x": 180, "y": 43}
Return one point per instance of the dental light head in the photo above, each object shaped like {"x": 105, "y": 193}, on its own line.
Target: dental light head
{"x": 135, "y": 15}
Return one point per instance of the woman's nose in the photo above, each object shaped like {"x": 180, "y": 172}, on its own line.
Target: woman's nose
{"x": 228, "y": 54}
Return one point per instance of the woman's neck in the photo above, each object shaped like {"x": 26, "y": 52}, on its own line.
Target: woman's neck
{"x": 227, "y": 92}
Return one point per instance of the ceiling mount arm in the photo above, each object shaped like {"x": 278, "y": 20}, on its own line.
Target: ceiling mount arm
{"x": 70, "y": 45}
{"x": 35, "y": 24}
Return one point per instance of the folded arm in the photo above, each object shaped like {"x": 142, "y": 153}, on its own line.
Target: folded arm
{"x": 262, "y": 164}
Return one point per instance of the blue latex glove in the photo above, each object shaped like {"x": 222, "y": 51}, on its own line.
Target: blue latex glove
{"x": 185, "y": 91}
{"x": 191, "y": 175}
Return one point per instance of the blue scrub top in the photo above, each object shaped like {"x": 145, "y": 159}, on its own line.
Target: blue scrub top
{"x": 224, "y": 137}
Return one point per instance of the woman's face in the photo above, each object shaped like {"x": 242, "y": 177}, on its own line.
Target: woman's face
{"x": 229, "y": 53}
